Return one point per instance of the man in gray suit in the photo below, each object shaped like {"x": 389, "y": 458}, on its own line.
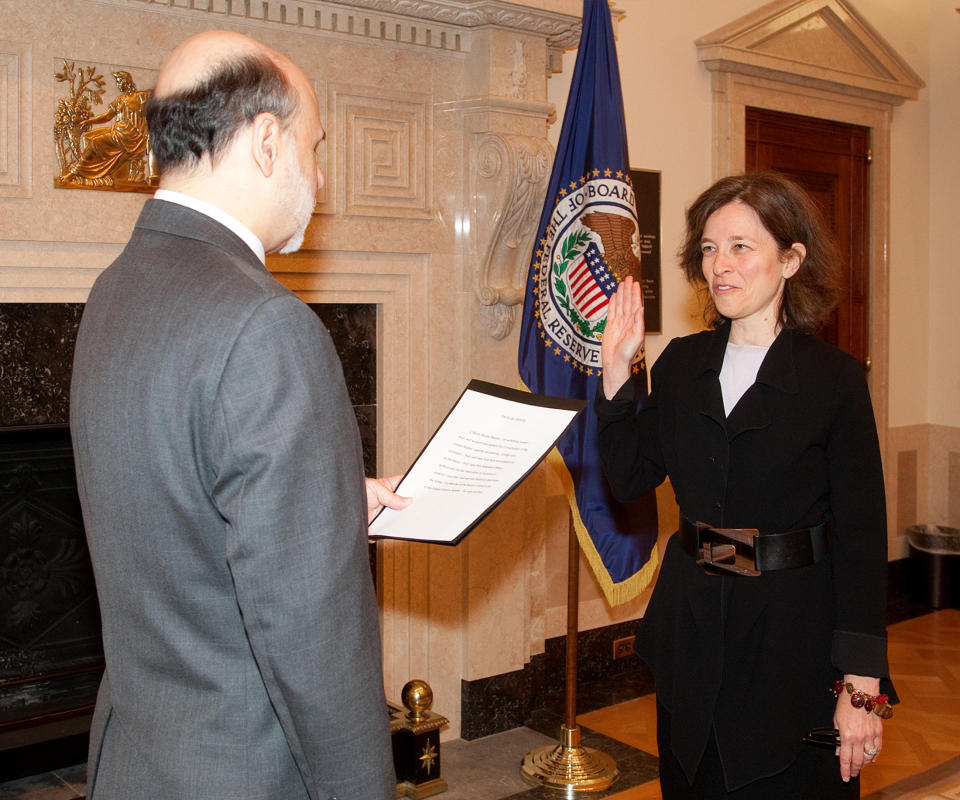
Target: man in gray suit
{"x": 220, "y": 470}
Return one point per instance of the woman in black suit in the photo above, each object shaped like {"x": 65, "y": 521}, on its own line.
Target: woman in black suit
{"x": 759, "y": 426}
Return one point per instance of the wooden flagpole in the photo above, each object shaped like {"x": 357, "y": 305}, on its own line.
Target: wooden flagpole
{"x": 568, "y": 765}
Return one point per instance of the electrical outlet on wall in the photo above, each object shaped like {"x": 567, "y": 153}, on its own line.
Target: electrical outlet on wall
{"x": 622, "y": 648}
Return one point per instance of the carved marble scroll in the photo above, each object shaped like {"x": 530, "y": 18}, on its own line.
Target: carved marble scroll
{"x": 510, "y": 179}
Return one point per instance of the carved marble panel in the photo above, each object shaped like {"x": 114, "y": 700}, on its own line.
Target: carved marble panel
{"x": 382, "y": 147}
{"x": 15, "y": 119}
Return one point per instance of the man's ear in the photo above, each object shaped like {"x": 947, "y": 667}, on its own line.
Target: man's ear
{"x": 265, "y": 142}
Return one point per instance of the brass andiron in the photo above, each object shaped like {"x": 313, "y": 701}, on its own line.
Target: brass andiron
{"x": 569, "y": 766}
{"x": 416, "y": 742}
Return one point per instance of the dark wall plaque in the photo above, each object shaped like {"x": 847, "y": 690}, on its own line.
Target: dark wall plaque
{"x": 646, "y": 187}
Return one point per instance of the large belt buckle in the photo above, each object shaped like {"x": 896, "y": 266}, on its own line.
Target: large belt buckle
{"x": 731, "y": 550}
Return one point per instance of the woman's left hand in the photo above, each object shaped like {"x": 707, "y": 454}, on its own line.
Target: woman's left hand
{"x": 861, "y": 733}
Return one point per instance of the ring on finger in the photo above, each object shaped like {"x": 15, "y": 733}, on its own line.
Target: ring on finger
{"x": 872, "y": 751}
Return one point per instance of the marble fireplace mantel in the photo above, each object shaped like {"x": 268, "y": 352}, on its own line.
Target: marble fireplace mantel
{"x": 436, "y": 163}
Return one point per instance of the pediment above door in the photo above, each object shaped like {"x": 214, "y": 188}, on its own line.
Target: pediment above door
{"x": 819, "y": 43}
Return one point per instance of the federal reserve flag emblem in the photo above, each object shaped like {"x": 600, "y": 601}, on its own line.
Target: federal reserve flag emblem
{"x": 588, "y": 246}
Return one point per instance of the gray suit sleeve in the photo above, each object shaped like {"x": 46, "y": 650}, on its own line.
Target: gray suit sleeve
{"x": 289, "y": 484}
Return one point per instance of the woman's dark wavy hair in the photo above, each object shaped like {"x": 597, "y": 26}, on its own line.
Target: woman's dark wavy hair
{"x": 789, "y": 214}
{"x": 203, "y": 119}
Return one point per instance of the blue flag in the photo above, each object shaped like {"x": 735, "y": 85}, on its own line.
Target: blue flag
{"x": 587, "y": 241}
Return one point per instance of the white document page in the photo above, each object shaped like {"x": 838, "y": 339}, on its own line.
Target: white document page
{"x": 491, "y": 439}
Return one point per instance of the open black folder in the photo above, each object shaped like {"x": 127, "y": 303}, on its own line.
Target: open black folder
{"x": 489, "y": 441}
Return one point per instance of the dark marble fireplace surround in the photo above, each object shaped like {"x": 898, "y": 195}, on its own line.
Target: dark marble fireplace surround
{"x": 36, "y": 357}
{"x": 51, "y": 657}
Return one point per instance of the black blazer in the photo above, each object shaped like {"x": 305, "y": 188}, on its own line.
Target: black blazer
{"x": 755, "y": 657}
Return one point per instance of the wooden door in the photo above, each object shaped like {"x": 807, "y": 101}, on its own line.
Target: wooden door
{"x": 831, "y": 161}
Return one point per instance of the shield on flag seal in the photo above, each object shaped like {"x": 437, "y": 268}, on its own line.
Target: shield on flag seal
{"x": 593, "y": 247}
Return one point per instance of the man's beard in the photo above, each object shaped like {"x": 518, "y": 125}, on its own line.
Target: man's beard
{"x": 299, "y": 203}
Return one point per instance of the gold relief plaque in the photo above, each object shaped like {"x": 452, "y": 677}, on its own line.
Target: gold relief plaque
{"x": 110, "y": 150}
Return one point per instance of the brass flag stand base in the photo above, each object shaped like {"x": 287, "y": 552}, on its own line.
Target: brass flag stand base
{"x": 568, "y": 766}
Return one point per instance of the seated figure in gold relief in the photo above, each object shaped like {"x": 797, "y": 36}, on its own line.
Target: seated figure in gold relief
{"x": 116, "y": 153}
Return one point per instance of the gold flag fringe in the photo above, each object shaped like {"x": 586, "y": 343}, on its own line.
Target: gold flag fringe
{"x": 616, "y": 593}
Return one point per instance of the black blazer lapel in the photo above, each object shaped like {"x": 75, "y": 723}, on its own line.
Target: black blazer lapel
{"x": 749, "y": 414}
{"x": 779, "y": 372}
{"x": 708, "y": 399}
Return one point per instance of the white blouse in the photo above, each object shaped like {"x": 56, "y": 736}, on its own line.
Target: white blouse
{"x": 741, "y": 363}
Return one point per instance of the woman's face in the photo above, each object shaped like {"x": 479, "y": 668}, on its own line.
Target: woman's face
{"x": 743, "y": 267}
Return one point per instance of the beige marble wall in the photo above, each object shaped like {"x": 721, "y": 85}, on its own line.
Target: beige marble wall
{"x": 923, "y": 484}
{"x": 429, "y": 107}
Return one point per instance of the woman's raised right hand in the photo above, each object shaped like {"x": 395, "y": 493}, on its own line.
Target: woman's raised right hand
{"x": 623, "y": 335}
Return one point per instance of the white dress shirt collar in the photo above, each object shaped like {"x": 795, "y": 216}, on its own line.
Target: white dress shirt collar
{"x": 253, "y": 242}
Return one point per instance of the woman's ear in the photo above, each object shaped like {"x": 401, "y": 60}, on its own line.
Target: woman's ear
{"x": 793, "y": 258}
{"x": 265, "y": 142}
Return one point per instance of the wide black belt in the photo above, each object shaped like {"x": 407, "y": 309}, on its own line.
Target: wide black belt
{"x": 743, "y": 551}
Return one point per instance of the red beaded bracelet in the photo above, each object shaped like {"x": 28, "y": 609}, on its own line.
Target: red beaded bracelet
{"x": 879, "y": 705}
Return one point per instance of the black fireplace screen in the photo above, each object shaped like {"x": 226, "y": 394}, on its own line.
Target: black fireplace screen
{"x": 50, "y": 650}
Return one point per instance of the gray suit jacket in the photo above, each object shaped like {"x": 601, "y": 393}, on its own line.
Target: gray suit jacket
{"x": 221, "y": 480}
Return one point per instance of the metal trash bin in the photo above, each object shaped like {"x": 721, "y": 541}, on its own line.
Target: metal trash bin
{"x": 935, "y": 565}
